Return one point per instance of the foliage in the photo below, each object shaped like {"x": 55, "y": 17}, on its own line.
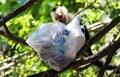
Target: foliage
{"x": 26, "y": 22}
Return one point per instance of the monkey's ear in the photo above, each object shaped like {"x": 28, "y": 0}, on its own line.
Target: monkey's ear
{"x": 64, "y": 10}
{"x": 53, "y": 15}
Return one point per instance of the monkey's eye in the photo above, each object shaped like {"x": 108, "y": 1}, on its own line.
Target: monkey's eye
{"x": 60, "y": 16}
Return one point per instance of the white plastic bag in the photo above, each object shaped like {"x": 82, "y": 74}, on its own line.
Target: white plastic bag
{"x": 57, "y": 43}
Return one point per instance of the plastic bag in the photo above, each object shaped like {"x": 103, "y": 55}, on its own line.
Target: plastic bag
{"x": 57, "y": 43}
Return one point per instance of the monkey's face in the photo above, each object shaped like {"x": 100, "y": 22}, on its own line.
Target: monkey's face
{"x": 59, "y": 14}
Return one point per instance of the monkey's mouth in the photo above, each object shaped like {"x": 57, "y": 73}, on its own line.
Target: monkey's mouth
{"x": 63, "y": 19}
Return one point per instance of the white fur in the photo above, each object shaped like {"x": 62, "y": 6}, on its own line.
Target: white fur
{"x": 68, "y": 17}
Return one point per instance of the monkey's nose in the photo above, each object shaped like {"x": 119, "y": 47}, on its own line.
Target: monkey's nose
{"x": 60, "y": 16}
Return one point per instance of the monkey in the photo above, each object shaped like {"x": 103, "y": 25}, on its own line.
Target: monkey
{"x": 61, "y": 14}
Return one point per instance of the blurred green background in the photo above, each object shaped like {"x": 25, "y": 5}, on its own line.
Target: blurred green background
{"x": 26, "y": 22}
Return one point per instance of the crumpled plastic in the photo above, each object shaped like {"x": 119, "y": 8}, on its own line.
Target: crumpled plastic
{"x": 56, "y": 43}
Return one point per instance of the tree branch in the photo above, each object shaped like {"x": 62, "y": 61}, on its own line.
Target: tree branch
{"x": 109, "y": 58}
{"x": 14, "y": 38}
{"x": 49, "y": 73}
{"x": 76, "y": 64}
{"x": 17, "y": 11}
{"x": 104, "y": 52}
{"x": 7, "y": 34}
{"x": 97, "y": 25}
{"x": 100, "y": 34}
{"x": 11, "y": 15}
{"x": 53, "y": 73}
{"x": 114, "y": 71}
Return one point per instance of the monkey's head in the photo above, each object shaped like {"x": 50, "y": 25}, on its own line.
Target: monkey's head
{"x": 59, "y": 13}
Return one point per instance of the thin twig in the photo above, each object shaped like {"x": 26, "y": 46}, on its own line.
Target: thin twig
{"x": 27, "y": 70}
{"x": 97, "y": 25}
{"x": 84, "y": 67}
{"x": 6, "y": 66}
{"x": 114, "y": 71}
{"x": 13, "y": 63}
{"x": 86, "y": 7}
{"x": 15, "y": 57}
{"x": 5, "y": 29}
{"x": 108, "y": 60}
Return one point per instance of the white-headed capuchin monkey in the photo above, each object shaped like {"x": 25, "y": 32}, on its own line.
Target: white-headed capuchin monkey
{"x": 61, "y": 14}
